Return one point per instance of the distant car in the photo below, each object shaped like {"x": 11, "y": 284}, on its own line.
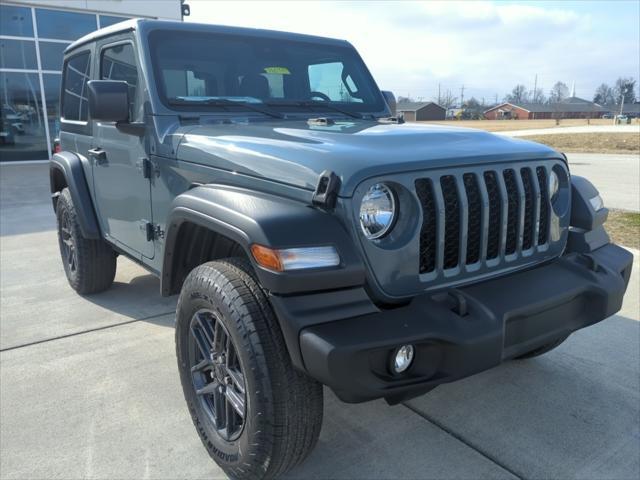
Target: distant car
{"x": 607, "y": 116}
{"x": 622, "y": 119}
{"x": 6, "y": 135}
{"x": 13, "y": 120}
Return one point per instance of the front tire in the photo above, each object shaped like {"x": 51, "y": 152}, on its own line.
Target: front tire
{"x": 90, "y": 265}
{"x": 256, "y": 415}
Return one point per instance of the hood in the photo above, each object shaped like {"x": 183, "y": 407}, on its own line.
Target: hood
{"x": 296, "y": 153}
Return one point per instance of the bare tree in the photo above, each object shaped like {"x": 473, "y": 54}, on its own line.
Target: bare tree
{"x": 518, "y": 95}
{"x": 537, "y": 96}
{"x": 447, "y": 100}
{"x": 625, "y": 87}
{"x": 559, "y": 92}
{"x": 604, "y": 95}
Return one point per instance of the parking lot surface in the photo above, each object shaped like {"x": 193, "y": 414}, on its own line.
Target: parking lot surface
{"x": 90, "y": 388}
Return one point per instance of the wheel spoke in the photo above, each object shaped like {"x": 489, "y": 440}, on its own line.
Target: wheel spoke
{"x": 205, "y": 328}
{"x": 208, "y": 389}
{"x": 220, "y": 407}
{"x": 205, "y": 364}
{"x": 201, "y": 343}
{"x": 235, "y": 400}
{"x": 238, "y": 380}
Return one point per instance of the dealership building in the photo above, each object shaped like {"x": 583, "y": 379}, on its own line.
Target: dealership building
{"x": 33, "y": 36}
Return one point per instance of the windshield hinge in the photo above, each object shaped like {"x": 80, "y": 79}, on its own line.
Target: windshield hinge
{"x": 326, "y": 193}
{"x": 148, "y": 168}
{"x": 152, "y": 230}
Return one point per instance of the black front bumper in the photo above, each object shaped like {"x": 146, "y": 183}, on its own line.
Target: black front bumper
{"x": 504, "y": 318}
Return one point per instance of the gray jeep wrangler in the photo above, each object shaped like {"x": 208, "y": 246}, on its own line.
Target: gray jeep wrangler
{"x": 313, "y": 238}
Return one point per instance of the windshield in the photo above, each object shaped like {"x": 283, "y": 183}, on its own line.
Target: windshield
{"x": 217, "y": 71}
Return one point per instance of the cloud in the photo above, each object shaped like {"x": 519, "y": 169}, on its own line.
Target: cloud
{"x": 411, "y": 47}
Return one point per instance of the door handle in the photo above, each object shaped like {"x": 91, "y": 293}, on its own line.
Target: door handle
{"x": 99, "y": 155}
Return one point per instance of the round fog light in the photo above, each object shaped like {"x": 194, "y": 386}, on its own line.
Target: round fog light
{"x": 403, "y": 358}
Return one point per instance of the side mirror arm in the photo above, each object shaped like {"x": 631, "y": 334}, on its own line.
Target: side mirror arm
{"x": 132, "y": 128}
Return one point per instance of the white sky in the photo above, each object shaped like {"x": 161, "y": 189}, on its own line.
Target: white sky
{"x": 411, "y": 47}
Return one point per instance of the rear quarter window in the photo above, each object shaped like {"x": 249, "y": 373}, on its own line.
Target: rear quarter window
{"x": 74, "y": 95}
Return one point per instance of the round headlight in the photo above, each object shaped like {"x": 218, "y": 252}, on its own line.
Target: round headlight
{"x": 554, "y": 185}
{"x": 377, "y": 211}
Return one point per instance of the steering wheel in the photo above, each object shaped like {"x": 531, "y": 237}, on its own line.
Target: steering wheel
{"x": 321, "y": 95}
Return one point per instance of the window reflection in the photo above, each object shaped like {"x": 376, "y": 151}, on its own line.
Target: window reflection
{"x": 51, "y": 83}
{"x": 108, "y": 20}
{"x": 22, "y": 132}
{"x": 16, "y": 21}
{"x": 51, "y": 55}
{"x": 61, "y": 25}
{"x": 18, "y": 54}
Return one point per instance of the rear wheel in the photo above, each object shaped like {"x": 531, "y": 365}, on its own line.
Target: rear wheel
{"x": 256, "y": 415}
{"x": 90, "y": 265}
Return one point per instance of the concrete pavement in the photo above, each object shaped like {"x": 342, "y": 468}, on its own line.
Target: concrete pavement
{"x": 90, "y": 387}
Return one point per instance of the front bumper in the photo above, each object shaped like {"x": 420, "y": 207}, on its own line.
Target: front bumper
{"x": 504, "y": 318}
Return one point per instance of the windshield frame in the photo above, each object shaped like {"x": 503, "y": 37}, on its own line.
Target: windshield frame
{"x": 376, "y": 109}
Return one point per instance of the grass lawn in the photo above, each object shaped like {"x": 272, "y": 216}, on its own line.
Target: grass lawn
{"x": 590, "y": 142}
{"x": 508, "y": 125}
{"x": 624, "y": 228}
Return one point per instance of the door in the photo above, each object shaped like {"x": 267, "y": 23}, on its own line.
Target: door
{"x": 123, "y": 194}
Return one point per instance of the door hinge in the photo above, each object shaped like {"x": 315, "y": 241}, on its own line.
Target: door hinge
{"x": 148, "y": 168}
{"x": 152, "y": 230}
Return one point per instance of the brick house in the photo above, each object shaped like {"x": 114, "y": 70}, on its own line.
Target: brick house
{"x": 572, "y": 107}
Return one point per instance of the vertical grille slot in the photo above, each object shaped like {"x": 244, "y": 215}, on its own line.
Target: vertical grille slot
{"x": 475, "y": 217}
{"x": 543, "y": 231}
{"x": 452, "y": 221}
{"x": 428, "y": 240}
{"x": 529, "y": 209}
{"x": 512, "y": 211}
{"x": 493, "y": 191}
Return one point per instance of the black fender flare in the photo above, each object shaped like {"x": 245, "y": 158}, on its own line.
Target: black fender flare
{"x": 70, "y": 166}
{"x": 248, "y": 217}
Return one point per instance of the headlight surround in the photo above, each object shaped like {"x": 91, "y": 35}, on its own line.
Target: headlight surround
{"x": 554, "y": 185}
{"x": 377, "y": 211}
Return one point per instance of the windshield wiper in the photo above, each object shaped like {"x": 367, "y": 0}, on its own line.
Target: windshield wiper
{"x": 224, "y": 102}
{"x": 313, "y": 104}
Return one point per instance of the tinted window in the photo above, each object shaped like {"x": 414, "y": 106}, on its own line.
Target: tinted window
{"x": 107, "y": 20}
{"x": 119, "y": 63}
{"x": 18, "y": 54}
{"x": 22, "y": 133}
{"x": 64, "y": 25}
{"x": 190, "y": 66}
{"x": 16, "y": 21}
{"x": 76, "y": 76}
{"x": 51, "y": 55}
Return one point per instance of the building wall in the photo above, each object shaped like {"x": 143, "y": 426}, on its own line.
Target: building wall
{"x": 33, "y": 35}
{"x": 431, "y": 112}
{"x": 409, "y": 116}
{"x": 504, "y": 112}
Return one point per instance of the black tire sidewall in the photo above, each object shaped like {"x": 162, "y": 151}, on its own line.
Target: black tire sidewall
{"x": 64, "y": 206}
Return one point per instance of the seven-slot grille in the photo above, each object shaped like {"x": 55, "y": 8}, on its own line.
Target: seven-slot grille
{"x": 471, "y": 217}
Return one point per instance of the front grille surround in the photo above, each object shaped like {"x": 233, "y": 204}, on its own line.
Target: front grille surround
{"x": 473, "y": 222}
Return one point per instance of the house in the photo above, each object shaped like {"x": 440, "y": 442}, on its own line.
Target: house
{"x": 572, "y": 107}
{"x": 629, "y": 109}
{"x": 419, "y": 111}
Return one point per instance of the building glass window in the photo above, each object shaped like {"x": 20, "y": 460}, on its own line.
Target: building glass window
{"x": 18, "y": 54}
{"x": 61, "y": 25}
{"x": 119, "y": 63}
{"x": 76, "y": 76}
{"x": 16, "y": 21}
{"x": 51, "y": 83}
{"x": 51, "y": 54}
{"x": 108, "y": 20}
{"x": 22, "y": 131}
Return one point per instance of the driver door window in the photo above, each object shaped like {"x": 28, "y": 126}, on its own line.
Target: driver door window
{"x": 119, "y": 63}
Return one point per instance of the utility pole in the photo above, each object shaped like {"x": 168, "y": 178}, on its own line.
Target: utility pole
{"x": 535, "y": 89}
{"x": 461, "y": 96}
{"x": 439, "y": 97}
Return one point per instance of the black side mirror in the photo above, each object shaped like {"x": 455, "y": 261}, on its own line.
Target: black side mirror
{"x": 390, "y": 98}
{"x": 108, "y": 100}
